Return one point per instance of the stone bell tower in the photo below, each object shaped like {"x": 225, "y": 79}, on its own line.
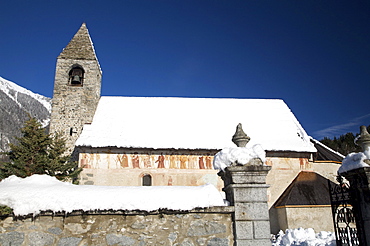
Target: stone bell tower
{"x": 76, "y": 88}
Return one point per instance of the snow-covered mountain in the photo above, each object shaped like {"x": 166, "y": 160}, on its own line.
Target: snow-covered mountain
{"x": 16, "y": 103}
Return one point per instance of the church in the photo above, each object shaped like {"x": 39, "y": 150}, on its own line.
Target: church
{"x": 134, "y": 141}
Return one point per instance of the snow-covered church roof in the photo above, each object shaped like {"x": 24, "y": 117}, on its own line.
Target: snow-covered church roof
{"x": 193, "y": 123}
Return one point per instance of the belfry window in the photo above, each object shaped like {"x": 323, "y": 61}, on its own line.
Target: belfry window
{"x": 76, "y": 76}
{"x": 147, "y": 180}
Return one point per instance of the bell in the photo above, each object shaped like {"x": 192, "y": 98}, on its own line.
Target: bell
{"x": 76, "y": 80}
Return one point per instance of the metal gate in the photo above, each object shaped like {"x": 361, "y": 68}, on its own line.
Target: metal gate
{"x": 344, "y": 217}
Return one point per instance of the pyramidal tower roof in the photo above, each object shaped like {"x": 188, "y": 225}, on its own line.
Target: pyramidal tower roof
{"x": 80, "y": 47}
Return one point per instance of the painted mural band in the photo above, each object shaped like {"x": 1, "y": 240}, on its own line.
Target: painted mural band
{"x": 135, "y": 160}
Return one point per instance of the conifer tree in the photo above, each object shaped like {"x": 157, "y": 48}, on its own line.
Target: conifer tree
{"x": 38, "y": 153}
{"x": 344, "y": 144}
{"x": 59, "y": 165}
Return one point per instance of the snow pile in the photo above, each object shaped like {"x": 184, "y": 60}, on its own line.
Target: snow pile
{"x": 304, "y": 237}
{"x": 242, "y": 155}
{"x": 366, "y": 151}
{"x": 357, "y": 160}
{"x": 353, "y": 161}
{"x": 38, "y": 193}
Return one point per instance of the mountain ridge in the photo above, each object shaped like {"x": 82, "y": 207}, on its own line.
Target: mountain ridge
{"x": 16, "y": 105}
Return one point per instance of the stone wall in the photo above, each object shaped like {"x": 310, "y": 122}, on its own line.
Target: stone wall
{"x": 212, "y": 226}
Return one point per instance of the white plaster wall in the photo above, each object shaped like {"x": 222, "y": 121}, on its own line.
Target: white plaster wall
{"x": 318, "y": 218}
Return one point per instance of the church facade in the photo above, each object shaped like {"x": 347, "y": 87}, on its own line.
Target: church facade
{"x": 134, "y": 141}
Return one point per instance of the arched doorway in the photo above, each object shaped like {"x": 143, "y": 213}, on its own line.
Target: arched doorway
{"x": 146, "y": 180}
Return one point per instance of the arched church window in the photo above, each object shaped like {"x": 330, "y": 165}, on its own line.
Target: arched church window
{"x": 147, "y": 180}
{"x": 76, "y": 76}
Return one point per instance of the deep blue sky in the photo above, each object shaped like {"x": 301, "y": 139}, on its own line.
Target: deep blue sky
{"x": 315, "y": 55}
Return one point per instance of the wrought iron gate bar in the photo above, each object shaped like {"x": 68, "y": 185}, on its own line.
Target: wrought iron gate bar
{"x": 343, "y": 215}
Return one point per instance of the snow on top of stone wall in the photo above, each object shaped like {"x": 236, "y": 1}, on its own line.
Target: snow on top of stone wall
{"x": 357, "y": 160}
{"x": 241, "y": 155}
{"x": 353, "y": 161}
{"x": 38, "y": 193}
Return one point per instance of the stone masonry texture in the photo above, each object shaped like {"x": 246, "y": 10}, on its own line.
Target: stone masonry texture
{"x": 195, "y": 228}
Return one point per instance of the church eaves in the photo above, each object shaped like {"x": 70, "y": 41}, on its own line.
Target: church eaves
{"x": 80, "y": 47}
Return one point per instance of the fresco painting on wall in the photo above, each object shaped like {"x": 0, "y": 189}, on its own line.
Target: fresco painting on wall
{"x": 135, "y": 160}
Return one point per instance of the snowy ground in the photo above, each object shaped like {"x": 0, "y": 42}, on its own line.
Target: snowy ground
{"x": 304, "y": 237}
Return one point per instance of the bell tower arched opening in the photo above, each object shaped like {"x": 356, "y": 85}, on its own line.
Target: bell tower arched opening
{"x": 76, "y": 76}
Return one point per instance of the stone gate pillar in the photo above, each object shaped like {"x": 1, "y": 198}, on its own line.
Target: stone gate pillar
{"x": 246, "y": 189}
{"x": 359, "y": 179}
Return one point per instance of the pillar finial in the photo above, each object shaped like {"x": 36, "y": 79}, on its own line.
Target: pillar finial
{"x": 364, "y": 139}
{"x": 240, "y": 138}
